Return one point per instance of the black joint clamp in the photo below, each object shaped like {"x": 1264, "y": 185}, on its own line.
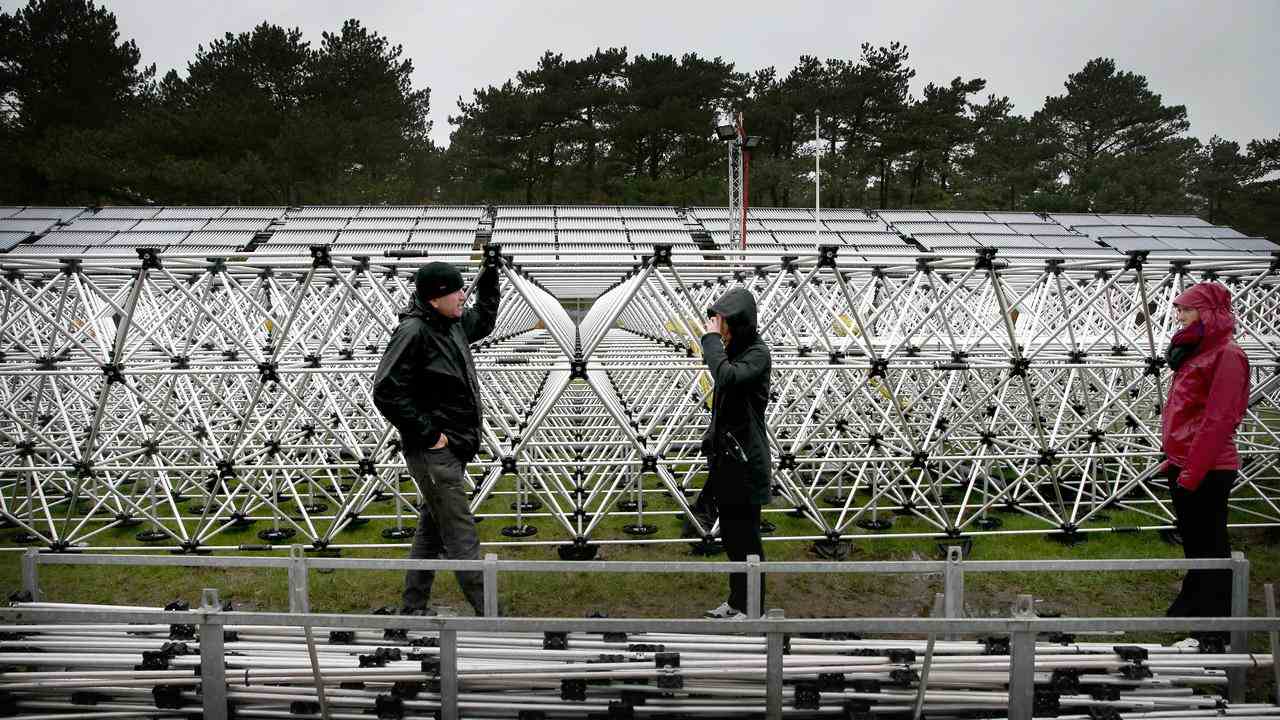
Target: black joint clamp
{"x": 1135, "y": 259}
{"x": 1018, "y": 367}
{"x": 1154, "y": 363}
{"x": 985, "y": 257}
{"x": 879, "y": 368}
{"x": 150, "y": 257}
{"x": 649, "y": 463}
{"x": 492, "y": 256}
{"x": 827, "y": 255}
{"x": 320, "y": 256}
{"x": 573, "y": 689}
{"x": 787, "y": 461}
{"x": 268, "y": 372}
{"x": 114, "y": 373}
{"x": 808, "y": 695}
{"x": 83, "y": 468}
{"x": 666, "y": 660}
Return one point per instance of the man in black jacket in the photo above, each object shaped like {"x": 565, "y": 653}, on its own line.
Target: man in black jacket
{"x": 426, "y": 387}
{"x": 737, "y": 443}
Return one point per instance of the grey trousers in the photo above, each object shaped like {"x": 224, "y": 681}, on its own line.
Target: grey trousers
{"x": 446, "y": 527}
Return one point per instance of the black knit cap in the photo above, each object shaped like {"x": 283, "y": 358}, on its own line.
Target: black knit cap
{"x": 436, "y": 279}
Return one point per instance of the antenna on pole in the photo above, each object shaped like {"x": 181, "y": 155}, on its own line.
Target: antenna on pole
{"x": 732, "y": 134}
{"x": 740, "y": 146}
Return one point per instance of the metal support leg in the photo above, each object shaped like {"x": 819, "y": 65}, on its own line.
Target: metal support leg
{"x": 1022, "y": 663}
{"x": 315, "y": 671}
{"x": 953, "y": 586}
{"x": 491, "y": 584}
{"x": 31, "y": 573}
{"x": 753, "y": 586}
{"x": 1239, "y": 608}
{"x": 939, "y": 605}
{"x": 449, "y": 674}
{"x": 773, "y": 668}
{"x": 213, "y": 672}
{"x": 299, "y": 585}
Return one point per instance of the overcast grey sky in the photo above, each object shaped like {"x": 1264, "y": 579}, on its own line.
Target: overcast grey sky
{"x": 1219, "y": 58}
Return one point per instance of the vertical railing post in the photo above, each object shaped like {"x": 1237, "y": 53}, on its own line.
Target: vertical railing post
{"x": 953, "y": 587}
{"x": 299, "y": 584}
{"x": 213, "y": 671}
{"x": 1236, "y": 680}
{"x": 448, "y": 674}
{"x": 775, "y": 644}
{"x": 491, "y": 585}
{"x": 1269, "y": 592}
{"x": 1022, "y": 661}
{"x": 753, "y": 587}
{"x": 31, "y": 573}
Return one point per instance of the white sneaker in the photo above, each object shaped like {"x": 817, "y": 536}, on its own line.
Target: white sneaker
{"x": 1187, "y": 644}
{"x": 725, "y": 612}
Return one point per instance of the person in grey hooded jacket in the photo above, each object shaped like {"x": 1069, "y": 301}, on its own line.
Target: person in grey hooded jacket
{"x": 737, "y": 443}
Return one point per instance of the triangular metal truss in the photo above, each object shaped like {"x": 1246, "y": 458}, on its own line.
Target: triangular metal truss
{"x": 190, "y": 397}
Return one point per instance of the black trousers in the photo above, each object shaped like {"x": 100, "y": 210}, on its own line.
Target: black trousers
{"x": 740, "y": 533}
{"x": 1202, "y": 523}
{"x": 446, "y": 528}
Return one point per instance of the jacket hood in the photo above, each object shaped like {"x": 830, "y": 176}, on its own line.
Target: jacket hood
{"x": 738, "y": 308}
{"x": 1213, "y": 302}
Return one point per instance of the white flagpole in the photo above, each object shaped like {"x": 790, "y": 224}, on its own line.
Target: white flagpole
{"x": 817, "y": 180}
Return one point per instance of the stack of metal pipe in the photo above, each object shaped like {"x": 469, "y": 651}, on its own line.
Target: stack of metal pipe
{"x": 65, "y": 671}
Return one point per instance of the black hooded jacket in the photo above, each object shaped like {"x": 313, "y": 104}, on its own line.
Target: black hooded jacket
{"x": 741, "y": 376}
{"x": 425, "y": 384}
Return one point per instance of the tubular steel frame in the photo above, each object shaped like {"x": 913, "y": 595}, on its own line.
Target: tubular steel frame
{"x": 195, "y": 395}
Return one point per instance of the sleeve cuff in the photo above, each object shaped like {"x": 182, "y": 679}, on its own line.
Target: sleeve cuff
{"x": 432, "y": 438}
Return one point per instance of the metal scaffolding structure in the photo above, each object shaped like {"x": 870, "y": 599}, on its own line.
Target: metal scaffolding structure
{"x": 921, "y": 387}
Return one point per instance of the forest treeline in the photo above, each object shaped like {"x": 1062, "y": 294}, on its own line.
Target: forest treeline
{"x": 266, "y": 116}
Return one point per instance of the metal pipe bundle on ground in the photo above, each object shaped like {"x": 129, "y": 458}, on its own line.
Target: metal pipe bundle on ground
{"x": 155, "y": 670}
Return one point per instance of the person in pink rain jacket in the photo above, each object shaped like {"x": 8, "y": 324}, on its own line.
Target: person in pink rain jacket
{"x": 1207, "y": 400}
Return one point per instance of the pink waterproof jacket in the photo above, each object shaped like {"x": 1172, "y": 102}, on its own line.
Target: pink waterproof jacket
{"x": 1209, "y": 392}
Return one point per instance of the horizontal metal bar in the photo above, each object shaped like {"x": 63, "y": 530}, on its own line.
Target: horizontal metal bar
{"x": 27, "y": 616}
{"x": 877, "y": 567}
